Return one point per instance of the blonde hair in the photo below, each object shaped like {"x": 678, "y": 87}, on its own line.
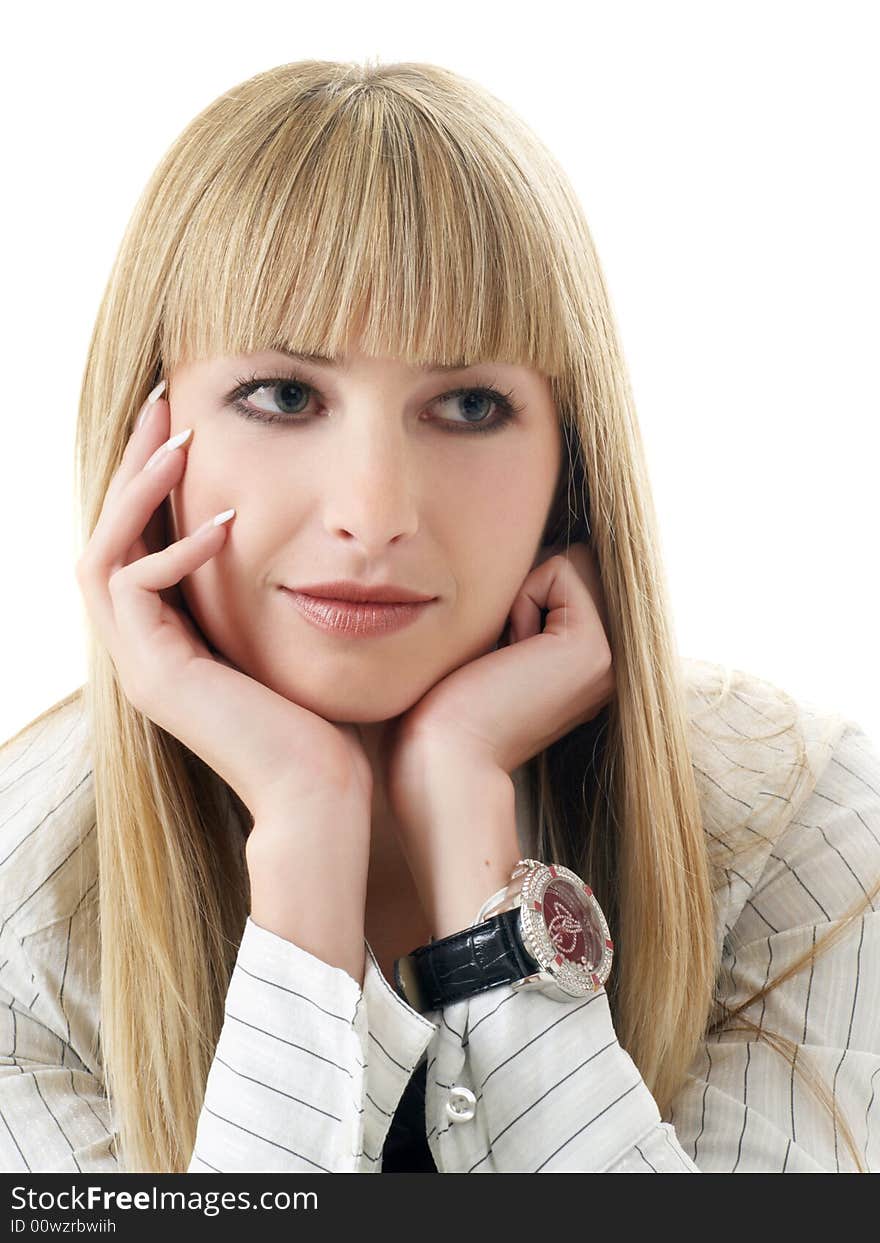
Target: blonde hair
{"x": 411, "y": 203}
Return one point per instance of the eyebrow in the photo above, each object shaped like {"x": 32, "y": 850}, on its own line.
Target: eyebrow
{"x": 322, "y": 359}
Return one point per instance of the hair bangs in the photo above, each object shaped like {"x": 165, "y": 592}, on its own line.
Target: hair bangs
{"x": 361, "y": 222}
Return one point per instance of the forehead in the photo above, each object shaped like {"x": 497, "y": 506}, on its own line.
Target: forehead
{"x": 345, "y": 364}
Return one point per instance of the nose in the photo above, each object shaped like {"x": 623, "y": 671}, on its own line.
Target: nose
{"x": 370, "y": 492}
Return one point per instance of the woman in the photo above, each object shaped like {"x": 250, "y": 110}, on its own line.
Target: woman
{"x": 376, "y": 343}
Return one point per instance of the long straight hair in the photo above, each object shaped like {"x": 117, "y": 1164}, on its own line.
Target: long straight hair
{"x": 409, "y": 203}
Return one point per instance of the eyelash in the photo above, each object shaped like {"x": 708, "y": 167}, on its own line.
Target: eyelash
{"x": 508, "y": 410}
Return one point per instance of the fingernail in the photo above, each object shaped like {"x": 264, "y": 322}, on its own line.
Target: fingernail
{"x": 150, "y": 402}
{"x": 216, "y": 521}
{"x": 169, "y": 446}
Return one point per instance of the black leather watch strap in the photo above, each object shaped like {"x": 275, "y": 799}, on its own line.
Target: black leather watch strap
{"x": 464, "y": 963}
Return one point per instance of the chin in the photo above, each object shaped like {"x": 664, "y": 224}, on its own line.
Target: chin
{"x": 355, "y": 706}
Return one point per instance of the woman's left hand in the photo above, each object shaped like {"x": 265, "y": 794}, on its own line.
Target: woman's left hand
{"x": 488, "y": 717}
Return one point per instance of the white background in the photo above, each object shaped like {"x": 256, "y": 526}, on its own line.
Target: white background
{"x": 726, "y": 157}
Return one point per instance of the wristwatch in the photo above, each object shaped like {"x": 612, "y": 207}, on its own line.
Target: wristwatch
{"x": 544, "y": 930}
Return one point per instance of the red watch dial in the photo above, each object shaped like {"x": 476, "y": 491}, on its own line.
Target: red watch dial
{"x": 572, "y": 925}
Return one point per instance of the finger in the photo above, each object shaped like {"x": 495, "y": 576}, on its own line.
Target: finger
{"x": 576, "y": 677}
{"x": 553, "y": 599}
{"x": 145, "y": 437}
{"x": 99, "y": 605}
{"x": 545, "y": 552}
{"x": 134, "y": 589}
{"x": 125, "y": 518}
{"x": 525, "y": 619}
{"x": 584, "y": 561}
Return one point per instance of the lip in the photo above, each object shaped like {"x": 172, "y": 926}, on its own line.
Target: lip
{"x": 356, "y": 619}
{"x": 362, "y": 593}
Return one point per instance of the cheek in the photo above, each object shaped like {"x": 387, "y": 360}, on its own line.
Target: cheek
{"x": 495, "y": 526}
{"x": 220, "y": 474}
{"x": 189, "y": 503}
{"x": 501, "y": 514}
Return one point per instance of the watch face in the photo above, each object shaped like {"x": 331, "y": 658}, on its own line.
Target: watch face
{"x": 572, "y": 925}
{"x": 564, "y": 928}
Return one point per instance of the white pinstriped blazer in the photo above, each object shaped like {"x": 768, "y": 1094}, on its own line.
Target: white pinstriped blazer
{"x": 309, "y": 1068}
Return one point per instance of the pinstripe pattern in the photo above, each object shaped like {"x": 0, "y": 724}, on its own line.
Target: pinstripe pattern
{"x": 309, "y": 1068}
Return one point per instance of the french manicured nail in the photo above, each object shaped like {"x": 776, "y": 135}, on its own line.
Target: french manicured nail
{"x": 150, "y": 402}
{"x": 169, "y": 446}
{"x": 216, "y": 521}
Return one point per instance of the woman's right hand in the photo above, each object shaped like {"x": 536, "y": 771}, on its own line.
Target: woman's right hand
{"x": 271, "y": 751}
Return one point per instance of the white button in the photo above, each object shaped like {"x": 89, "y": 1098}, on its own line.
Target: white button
{"x": 460, "y": 1103}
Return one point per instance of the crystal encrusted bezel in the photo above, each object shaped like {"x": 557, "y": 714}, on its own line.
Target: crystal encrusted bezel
{"x": 573, "y": 978}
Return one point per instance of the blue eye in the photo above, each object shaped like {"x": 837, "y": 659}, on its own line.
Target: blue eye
{"x": 294, "y": 394}
{"x": 291, "y": 395}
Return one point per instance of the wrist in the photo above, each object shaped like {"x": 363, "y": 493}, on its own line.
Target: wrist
{"x": 549, "y": 935}
{"x": 322, "y": 798}
{"x": 307, "y": 871}
{"x": 477, "y": 826}
{"x": 460, "y": 910}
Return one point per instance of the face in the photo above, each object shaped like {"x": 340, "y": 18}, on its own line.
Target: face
{"x": 373, "y": 471}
